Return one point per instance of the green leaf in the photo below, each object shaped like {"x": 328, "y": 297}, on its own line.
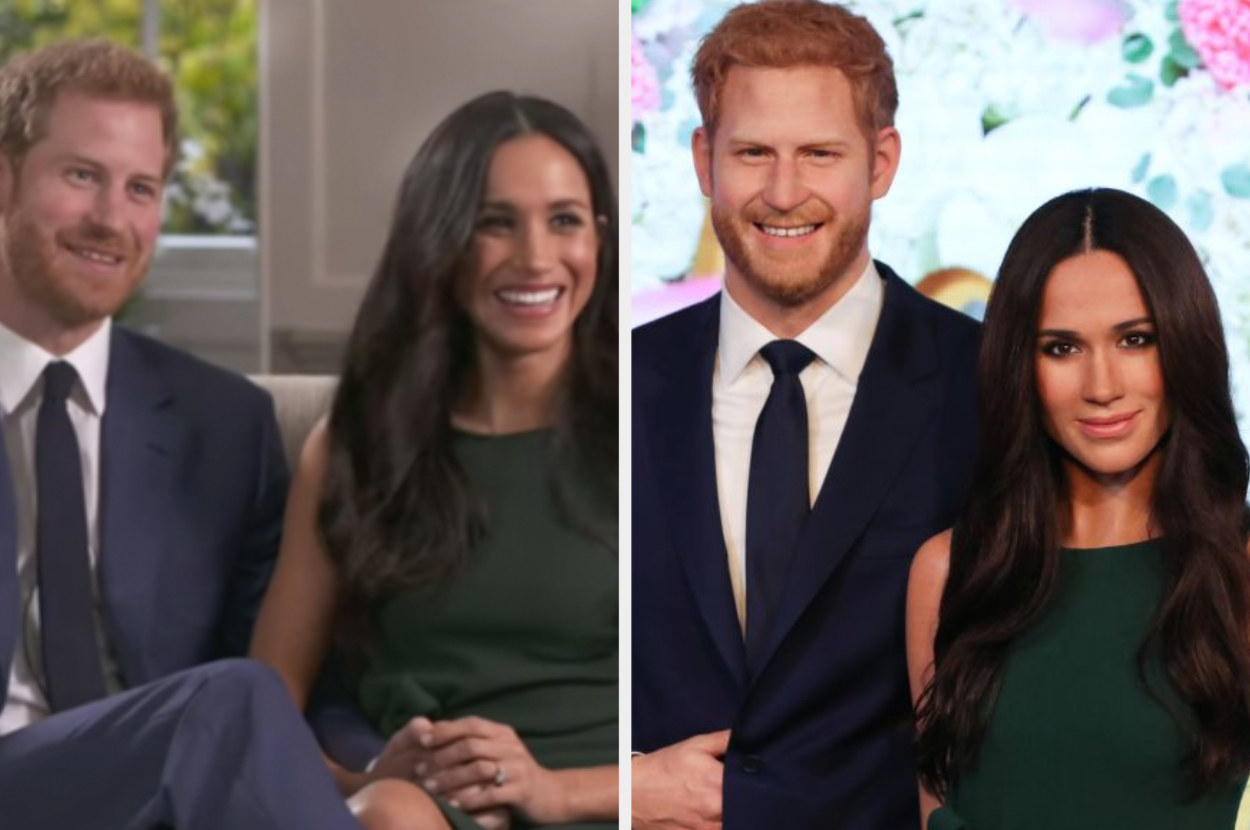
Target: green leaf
{"x": 992, "y": 118}
{"x": 1136, "y": 47}
{"x": 638, "y": 139}
{"x": 1182, "y": 52}
{"x": 1161, "y": 190}
{"x": 1236, "y": 180}
{"x": 1201, "y": 211}
{"x": 1141, "y": 168}
{"x": 1170, "y": 71}
{"x": 1172, "y": 11}
{"x": 1134, "y": 92}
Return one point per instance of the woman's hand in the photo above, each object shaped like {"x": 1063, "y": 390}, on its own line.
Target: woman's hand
{"x": 405, "y": 753}
{"x": 479, "y": 764}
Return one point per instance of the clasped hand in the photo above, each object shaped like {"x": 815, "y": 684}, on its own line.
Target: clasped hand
{"x": 680, "y": 786}
{"x": 480, "y": 766}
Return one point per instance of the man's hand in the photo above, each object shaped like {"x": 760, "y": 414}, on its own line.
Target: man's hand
{"x": 403, "y": 752}
{"x": 679, "y": 787}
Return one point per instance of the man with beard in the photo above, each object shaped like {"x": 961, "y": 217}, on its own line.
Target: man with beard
{"x": 141, "y": 493}
{"x": 795, "y": 440}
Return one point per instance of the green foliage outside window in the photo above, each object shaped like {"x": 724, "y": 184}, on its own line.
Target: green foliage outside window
{"x": 209, "y": 49}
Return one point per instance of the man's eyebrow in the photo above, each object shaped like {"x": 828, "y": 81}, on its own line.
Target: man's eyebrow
{"x": 75, "y": 158}
{"x": 826, "y": 144}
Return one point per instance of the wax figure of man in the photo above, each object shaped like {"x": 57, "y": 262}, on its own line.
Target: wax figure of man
{"x": 794, "y": 439}
{"x": 141, "y": 494}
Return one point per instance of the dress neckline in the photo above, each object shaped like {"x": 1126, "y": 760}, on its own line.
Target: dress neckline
{"x": 1130, "y": 547}
{"x": 502, "y": 436}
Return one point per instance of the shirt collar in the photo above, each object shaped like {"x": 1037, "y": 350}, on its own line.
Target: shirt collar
{"x": 22, "y": 363}
{"x": 840, "y": 337}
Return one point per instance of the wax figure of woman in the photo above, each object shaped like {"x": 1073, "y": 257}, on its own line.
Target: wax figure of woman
{"x": 1089, "y": 618}
{"x": 454, "y": 521}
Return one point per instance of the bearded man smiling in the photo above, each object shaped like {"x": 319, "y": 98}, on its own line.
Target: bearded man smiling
{"x": 795, "y": 439}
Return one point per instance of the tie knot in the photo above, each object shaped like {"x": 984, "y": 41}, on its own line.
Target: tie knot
{"x": 58, "y": 380}
{"x": 787, "y": 357}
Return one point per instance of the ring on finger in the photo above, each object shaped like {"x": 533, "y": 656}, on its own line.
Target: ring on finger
{"x": 501, "y": 777}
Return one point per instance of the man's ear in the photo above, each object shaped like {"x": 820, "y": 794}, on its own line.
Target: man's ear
{"x": 887, "y": 150}
{"x": 701, "y": 148}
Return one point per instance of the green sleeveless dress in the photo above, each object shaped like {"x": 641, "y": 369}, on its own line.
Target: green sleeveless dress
{"x": 1075, "y": 741}
{"x": 527, "y": 634}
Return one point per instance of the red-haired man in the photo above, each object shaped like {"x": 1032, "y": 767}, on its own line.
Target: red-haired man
{"x": 796, "y": 438}
{"x": 141, "y": 495}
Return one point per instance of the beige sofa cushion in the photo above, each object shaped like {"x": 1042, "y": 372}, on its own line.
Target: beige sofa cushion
{"x": 299, "y": 400}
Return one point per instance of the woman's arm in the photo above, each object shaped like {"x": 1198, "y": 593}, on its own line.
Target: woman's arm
{"x": 293, "y": 631}
{"x": 924, "y": 598}
{"x": 591, "y": 793}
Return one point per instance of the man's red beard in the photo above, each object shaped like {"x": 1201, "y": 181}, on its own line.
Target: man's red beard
{"x": 72, "y": 300}
{"x": 795, "y": 289}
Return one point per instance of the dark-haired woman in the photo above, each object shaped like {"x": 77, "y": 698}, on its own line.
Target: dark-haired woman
{"x": 454, "y": 521}
{"x": 1079, "y": 645}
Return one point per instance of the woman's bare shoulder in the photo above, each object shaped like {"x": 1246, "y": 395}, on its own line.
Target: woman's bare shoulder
{"x": 932, "y": 560}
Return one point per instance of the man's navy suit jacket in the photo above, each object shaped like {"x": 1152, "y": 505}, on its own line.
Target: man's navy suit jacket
{"x": 822, "y": 735}
{"x": 193, "y": 483}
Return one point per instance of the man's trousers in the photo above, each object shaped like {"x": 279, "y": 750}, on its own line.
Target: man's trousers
{"x": 217, "y": 747}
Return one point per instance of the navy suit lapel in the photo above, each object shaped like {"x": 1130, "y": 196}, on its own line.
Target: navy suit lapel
{"x": 679, "y": 416}
{"x": 895, "y": 397}
{"x": 10, "y": 597}
{"x": 140, "y": 439}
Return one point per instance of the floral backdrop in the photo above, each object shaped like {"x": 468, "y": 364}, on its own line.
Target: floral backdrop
{"x": 1003, "y": 104}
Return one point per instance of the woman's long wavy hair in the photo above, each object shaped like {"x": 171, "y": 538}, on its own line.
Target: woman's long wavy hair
{"x": 1004, "y": 559}
{"x": 397, "y": 511}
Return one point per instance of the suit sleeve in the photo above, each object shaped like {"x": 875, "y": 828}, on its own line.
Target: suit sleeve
{"x": 344, "y": 733}
{"x": 261, "y": 535}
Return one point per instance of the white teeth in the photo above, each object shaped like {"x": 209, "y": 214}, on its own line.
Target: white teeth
{"x": 96, "y": 256}
{"x": 518, "y": 297}
{"x": 801, "y": 230}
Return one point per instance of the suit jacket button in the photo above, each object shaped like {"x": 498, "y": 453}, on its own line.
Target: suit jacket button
{"x": 751, "y": 764}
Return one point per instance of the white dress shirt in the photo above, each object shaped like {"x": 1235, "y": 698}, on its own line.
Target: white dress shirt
{"x": 21, "y": 393}
{"x": 740, "y": 384}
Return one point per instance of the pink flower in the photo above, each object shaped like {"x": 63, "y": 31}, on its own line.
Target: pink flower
{"x": 1220, "y": 32}
{"x": 1075, "y": 21}
{"x": 644, "y": 83}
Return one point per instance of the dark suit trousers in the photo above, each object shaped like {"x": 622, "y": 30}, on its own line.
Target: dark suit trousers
{"x": 217, "y": 747}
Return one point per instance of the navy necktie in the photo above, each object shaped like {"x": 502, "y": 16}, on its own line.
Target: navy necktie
{"x": 777, "y": 491}
{"x": 71, "y": 655}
